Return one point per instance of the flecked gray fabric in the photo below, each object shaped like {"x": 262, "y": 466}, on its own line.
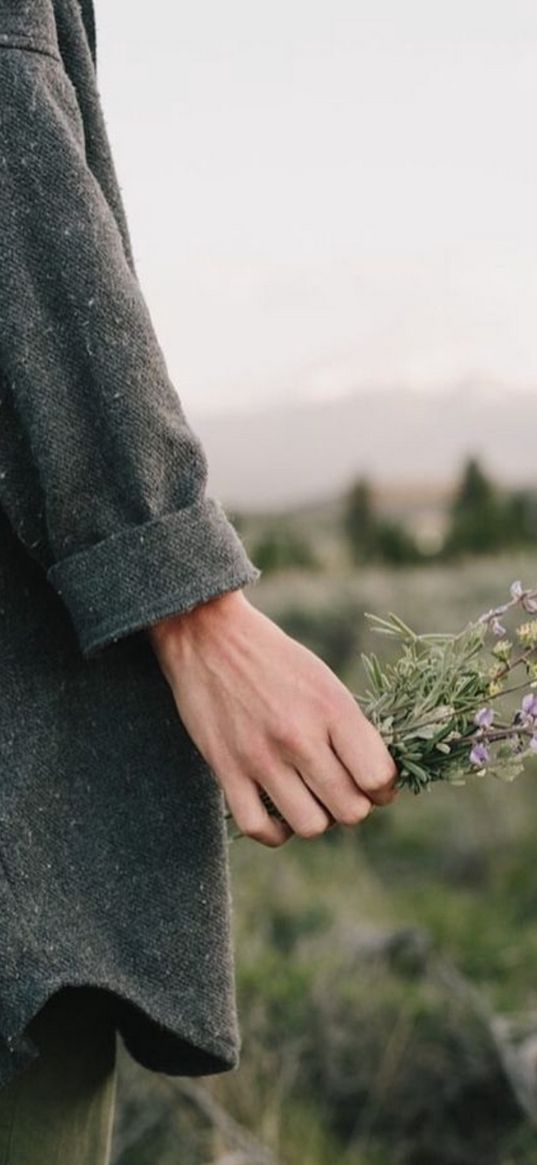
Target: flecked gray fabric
{"x": 113, "y": 858}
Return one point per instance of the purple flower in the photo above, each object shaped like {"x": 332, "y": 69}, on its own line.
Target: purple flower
{"x": 533, "y": 743}
{"x": 496, "y": 627}
{"x": 516, "y": 590}
{"x": 490, "y": 616}
{"x": 529, "y": 708}
{"x": 479, "y": 754}
{"x": 529, "y": 602}
{"x": 484, "y": 717}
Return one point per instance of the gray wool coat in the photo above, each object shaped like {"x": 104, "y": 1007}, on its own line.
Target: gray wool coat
{"x": 113, "y": 857}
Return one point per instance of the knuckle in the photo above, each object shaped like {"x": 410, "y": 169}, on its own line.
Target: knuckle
{"x": 312, "y": 826}
{"x": 383, "y": 796}
{"x": 275, "y": 833}
{"x": 250, "y": 751}
{"x": 355, "y": 812}
{"x": 292, "y": 738}
{"x": 252, "y": 824}
{"x": 266, "y": 831}
{"x": 276, "y": 840}
{"x": 384, "y": 776}
{"x": 330, "y": 778}
{"x": 265, "y": 837}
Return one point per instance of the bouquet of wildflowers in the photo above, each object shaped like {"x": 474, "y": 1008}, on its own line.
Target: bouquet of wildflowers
{"x": 445, "y": 706}
{"x": 454, "y": 705}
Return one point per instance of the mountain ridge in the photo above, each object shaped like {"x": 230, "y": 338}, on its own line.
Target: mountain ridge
{"x": 300, "y": 453}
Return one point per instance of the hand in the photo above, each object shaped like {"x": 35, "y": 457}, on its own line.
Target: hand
{"x": 268, "y": 714}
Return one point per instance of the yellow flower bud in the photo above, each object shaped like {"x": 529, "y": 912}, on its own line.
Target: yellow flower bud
{"x": 527, "y": 633}
{"x": 502, "y": 650}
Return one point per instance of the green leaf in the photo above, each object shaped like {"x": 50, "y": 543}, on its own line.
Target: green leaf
{"x": 416, "y": 770}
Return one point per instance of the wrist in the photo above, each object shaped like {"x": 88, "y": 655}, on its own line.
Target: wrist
{"x": 169, "y": 633}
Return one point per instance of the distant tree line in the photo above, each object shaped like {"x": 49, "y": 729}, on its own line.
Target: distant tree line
{"x": 484, "y": 519}
{"x": 481, "y": 518}
{"x": 371, "y": 538}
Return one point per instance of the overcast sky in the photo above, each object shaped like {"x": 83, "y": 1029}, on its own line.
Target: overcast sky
{"x": 325, "y": 194}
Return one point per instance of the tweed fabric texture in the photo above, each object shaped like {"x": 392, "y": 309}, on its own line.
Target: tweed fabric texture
{"x": 113, "y": 856}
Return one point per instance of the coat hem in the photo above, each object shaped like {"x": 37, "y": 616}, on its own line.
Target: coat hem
{"x": 179, "y": 1049}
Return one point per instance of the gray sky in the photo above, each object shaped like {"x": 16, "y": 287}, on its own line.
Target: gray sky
{"x": 325, "y": 194}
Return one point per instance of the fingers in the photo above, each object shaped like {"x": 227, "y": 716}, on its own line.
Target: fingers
{"x": 304, "y": 816}
{"x": 314, "y": 781}
{"x": 362, "y": 751}
{"x": 323, "y": 772}
{"x": 251, "y": 816}
{"x": 307, "y": 817}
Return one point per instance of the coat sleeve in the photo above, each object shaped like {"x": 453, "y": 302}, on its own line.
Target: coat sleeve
{"x": 101, "y": 476}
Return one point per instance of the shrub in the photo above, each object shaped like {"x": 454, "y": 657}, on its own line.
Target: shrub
{"x": 281, "y": 548}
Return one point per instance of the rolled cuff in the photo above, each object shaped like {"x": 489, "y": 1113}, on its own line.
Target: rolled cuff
{"x": 143, "y": 573}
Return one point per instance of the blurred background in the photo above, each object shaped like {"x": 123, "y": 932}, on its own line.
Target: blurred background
{"x": 334, "y": 227}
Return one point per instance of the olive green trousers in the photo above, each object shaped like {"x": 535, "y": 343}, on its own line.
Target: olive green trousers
{"x": 59, "y": 1110}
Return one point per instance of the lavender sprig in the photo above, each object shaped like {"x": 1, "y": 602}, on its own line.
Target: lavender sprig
{"x": 455, "y": 679}
{"x": 444, "y": 706}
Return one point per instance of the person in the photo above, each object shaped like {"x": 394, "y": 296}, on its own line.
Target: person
{"x": 142, "y": 689}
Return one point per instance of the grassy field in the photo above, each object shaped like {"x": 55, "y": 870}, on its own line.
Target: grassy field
{"x": 386, "y": 975}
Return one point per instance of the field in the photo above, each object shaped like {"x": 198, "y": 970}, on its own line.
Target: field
{"x": 387, "y": 974}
